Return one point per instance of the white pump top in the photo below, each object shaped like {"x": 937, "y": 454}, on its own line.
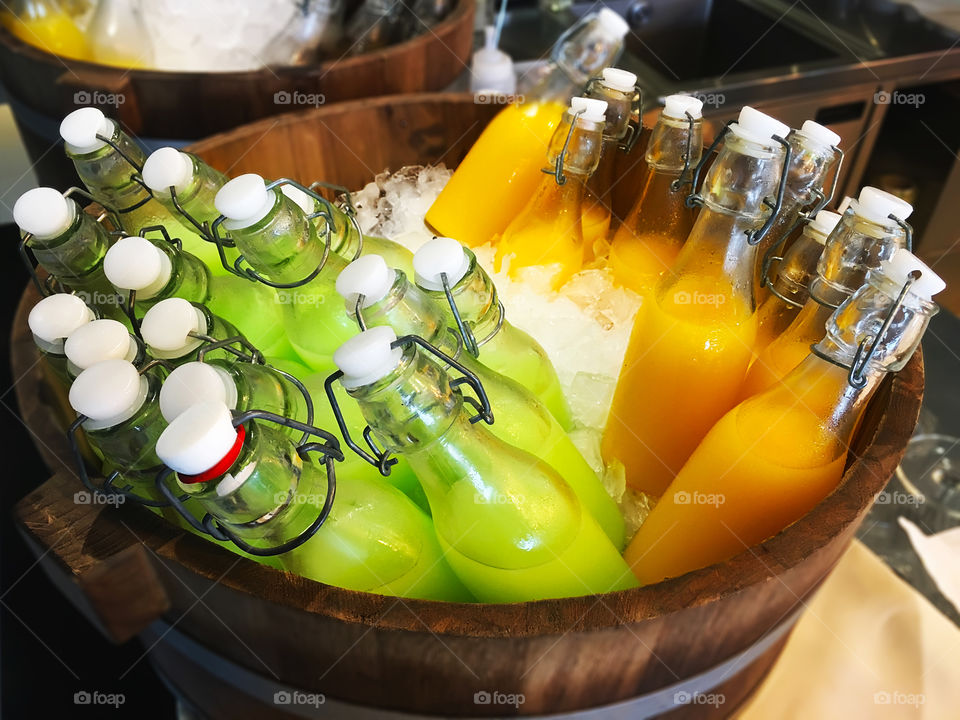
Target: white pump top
{"x": 367, "y": 357}
{"x": 244, "y": 200}
{"x": 80, "y": 128}
{"x": 198, "y": 438}
{"x": 877, "y": 205}
{"x": 108, "y": 393}
{"x": 617, "y": 79}
{"x": 438, "y": 256}
{"x": 168, "y": 167}
{"x": 99, "y": 341}
{"x": 677, "y": 107}
{"x": 56, "y": 317}
{"x": 823, "y": 223}
{"x": 611, "y": 22}
{"x": 818, "y": 132}
{"x": 44, "y": 212}
{"x": 195, "y": 382}
{"x": 902, "y": 263}
{"x": 368, "y": 276}
{"x": 135, "y": 263}
{"x": 593, "y": 110}
{"x": 758, "y": 127}
{"x": 167, "y": 326}
{"x": 491, "y": 68}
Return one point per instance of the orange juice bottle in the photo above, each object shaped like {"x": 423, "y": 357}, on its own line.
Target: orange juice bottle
{"x": 813, "y": 158}
{"x": 46, "y": 25}
{"x": 502, "y": 170}
{"x": 649, "y": 239}
{"x": 618, "y": 88}
{"x": 772, "y": 458}
{"x": 866, "y": 235}
{"x": 549, "y": 229}
{"x": 789, "y": 290}
{"x": 693, "y": 339}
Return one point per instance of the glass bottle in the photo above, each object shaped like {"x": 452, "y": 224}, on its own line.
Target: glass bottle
{"x": 693, "y": 340}
{"x": 794, "y": 273}
{"x": 45, "y": 25}
{"x": 864, "y": 237}
{"x": 374, "y": 540}
{"x": 772, "y": 458}
{"x": 648, "y": 241}
{"x": 278, "y": 241}
{"x": 500, "y": 345}
{"x": 511, "y": 528}
{"x": 156, "y": 270}
{"x": 813, "y": 159}
{"x": 175, "y": 330}
{"x": 52, "y": 321}
{"x": 523, "y": 421}
{"x": 68, "y": 243}
{"x": 549, "y": 228}
{"x": 618, "y": 88}
{"x": 196, "y": 184}
{"x": 118, "y": 35}
{"x": 312, "y": 32}
{"x": 101, "y": 340}
{"x": 502, "y": 170}
{"x": 110, "y": 170}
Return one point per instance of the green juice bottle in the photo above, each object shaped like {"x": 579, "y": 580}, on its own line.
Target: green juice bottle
{"x": 101, "y": 340}
{"x": 195, "y": 184}
{"x": 389, "y": 299}
{"x": 52, "y": 321}
{"x": 110, "y": 171}
{"x": 346, "y": 240}
{"x": 278, "y": 241}
{"x": 374, "y": 540}
{"x": 157, "y": 270}
{"x": 68, "y": 243}
{"x": 511, "y": 527}
{"x": 501, "y": 346}
{"x": 175, "y": 330}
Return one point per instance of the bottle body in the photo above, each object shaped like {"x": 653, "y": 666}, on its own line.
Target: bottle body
{"x": 118, "y": 35}
{"x": 46, "y": 25}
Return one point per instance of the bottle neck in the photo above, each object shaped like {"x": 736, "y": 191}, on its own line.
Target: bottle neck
{"x": 476, "y": 299}
{"x": 197, "y": 197}
{"x": 581, "y": 142}
{"x": 667, "y": 147}
{"x": 799, "y": 267}
{"x": 75, "y": 253}
{"x": 108, "y": 174}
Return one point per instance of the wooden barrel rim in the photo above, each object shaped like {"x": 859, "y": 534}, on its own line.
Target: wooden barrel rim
{"x": 390, "y": 53}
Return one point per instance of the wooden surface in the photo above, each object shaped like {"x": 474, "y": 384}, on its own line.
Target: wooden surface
{"x": 426, "y": 656}
{"x": 168, "y": 104}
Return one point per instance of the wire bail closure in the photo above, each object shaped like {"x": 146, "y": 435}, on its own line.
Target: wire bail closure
{"x": 381, "y": 459}
{"x": 634, "y": 127}
{"x": 325, "y": 211}
{"x": 557, "y": 170}
{"x": 329, "y": 448}
{"x": 349, "y": 209}
{"x": 688, "y": 153}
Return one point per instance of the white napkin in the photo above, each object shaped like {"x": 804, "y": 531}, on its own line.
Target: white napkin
{"x": 940, "y": 554}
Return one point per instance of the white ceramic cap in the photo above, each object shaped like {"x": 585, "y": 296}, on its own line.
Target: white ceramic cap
{"x": 818, "y": 132}
{"x": 367, "y": 357}
{"x": 438, "y": 256}
{"x": 195, "y": 382}
{"x": 677, "y": 106}
{"x": 617, "y": 79}
{"x": 98, "y": 341}
{"x": 844, "y": 204}
{"x": 80, "y": 128}
{"x": 824, "y": 222}
{"x": 612, "y": 23}
{"x": 44, "y": 212}
{"x": 57, "y": 316}
{"x": 244, "y": 200}
{"x": 167, "y": 326}
{"x": 135, "y": 263}
{"x": 593, "y": 110}
{"x": 368, "y": 276}
{"x": 197, "y": 439}
{"x": 902, "y": 263}
{"x": 303, "y": 201}
{"x": 167, "y": 167}
{"x": 877, "y": 205}
{"x": 107, "y": 391}
{"x": 757, "y": 126}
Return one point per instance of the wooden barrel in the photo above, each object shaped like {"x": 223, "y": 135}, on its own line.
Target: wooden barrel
{"x": 171, "y": 107}
{"x": 239, "y": 639}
